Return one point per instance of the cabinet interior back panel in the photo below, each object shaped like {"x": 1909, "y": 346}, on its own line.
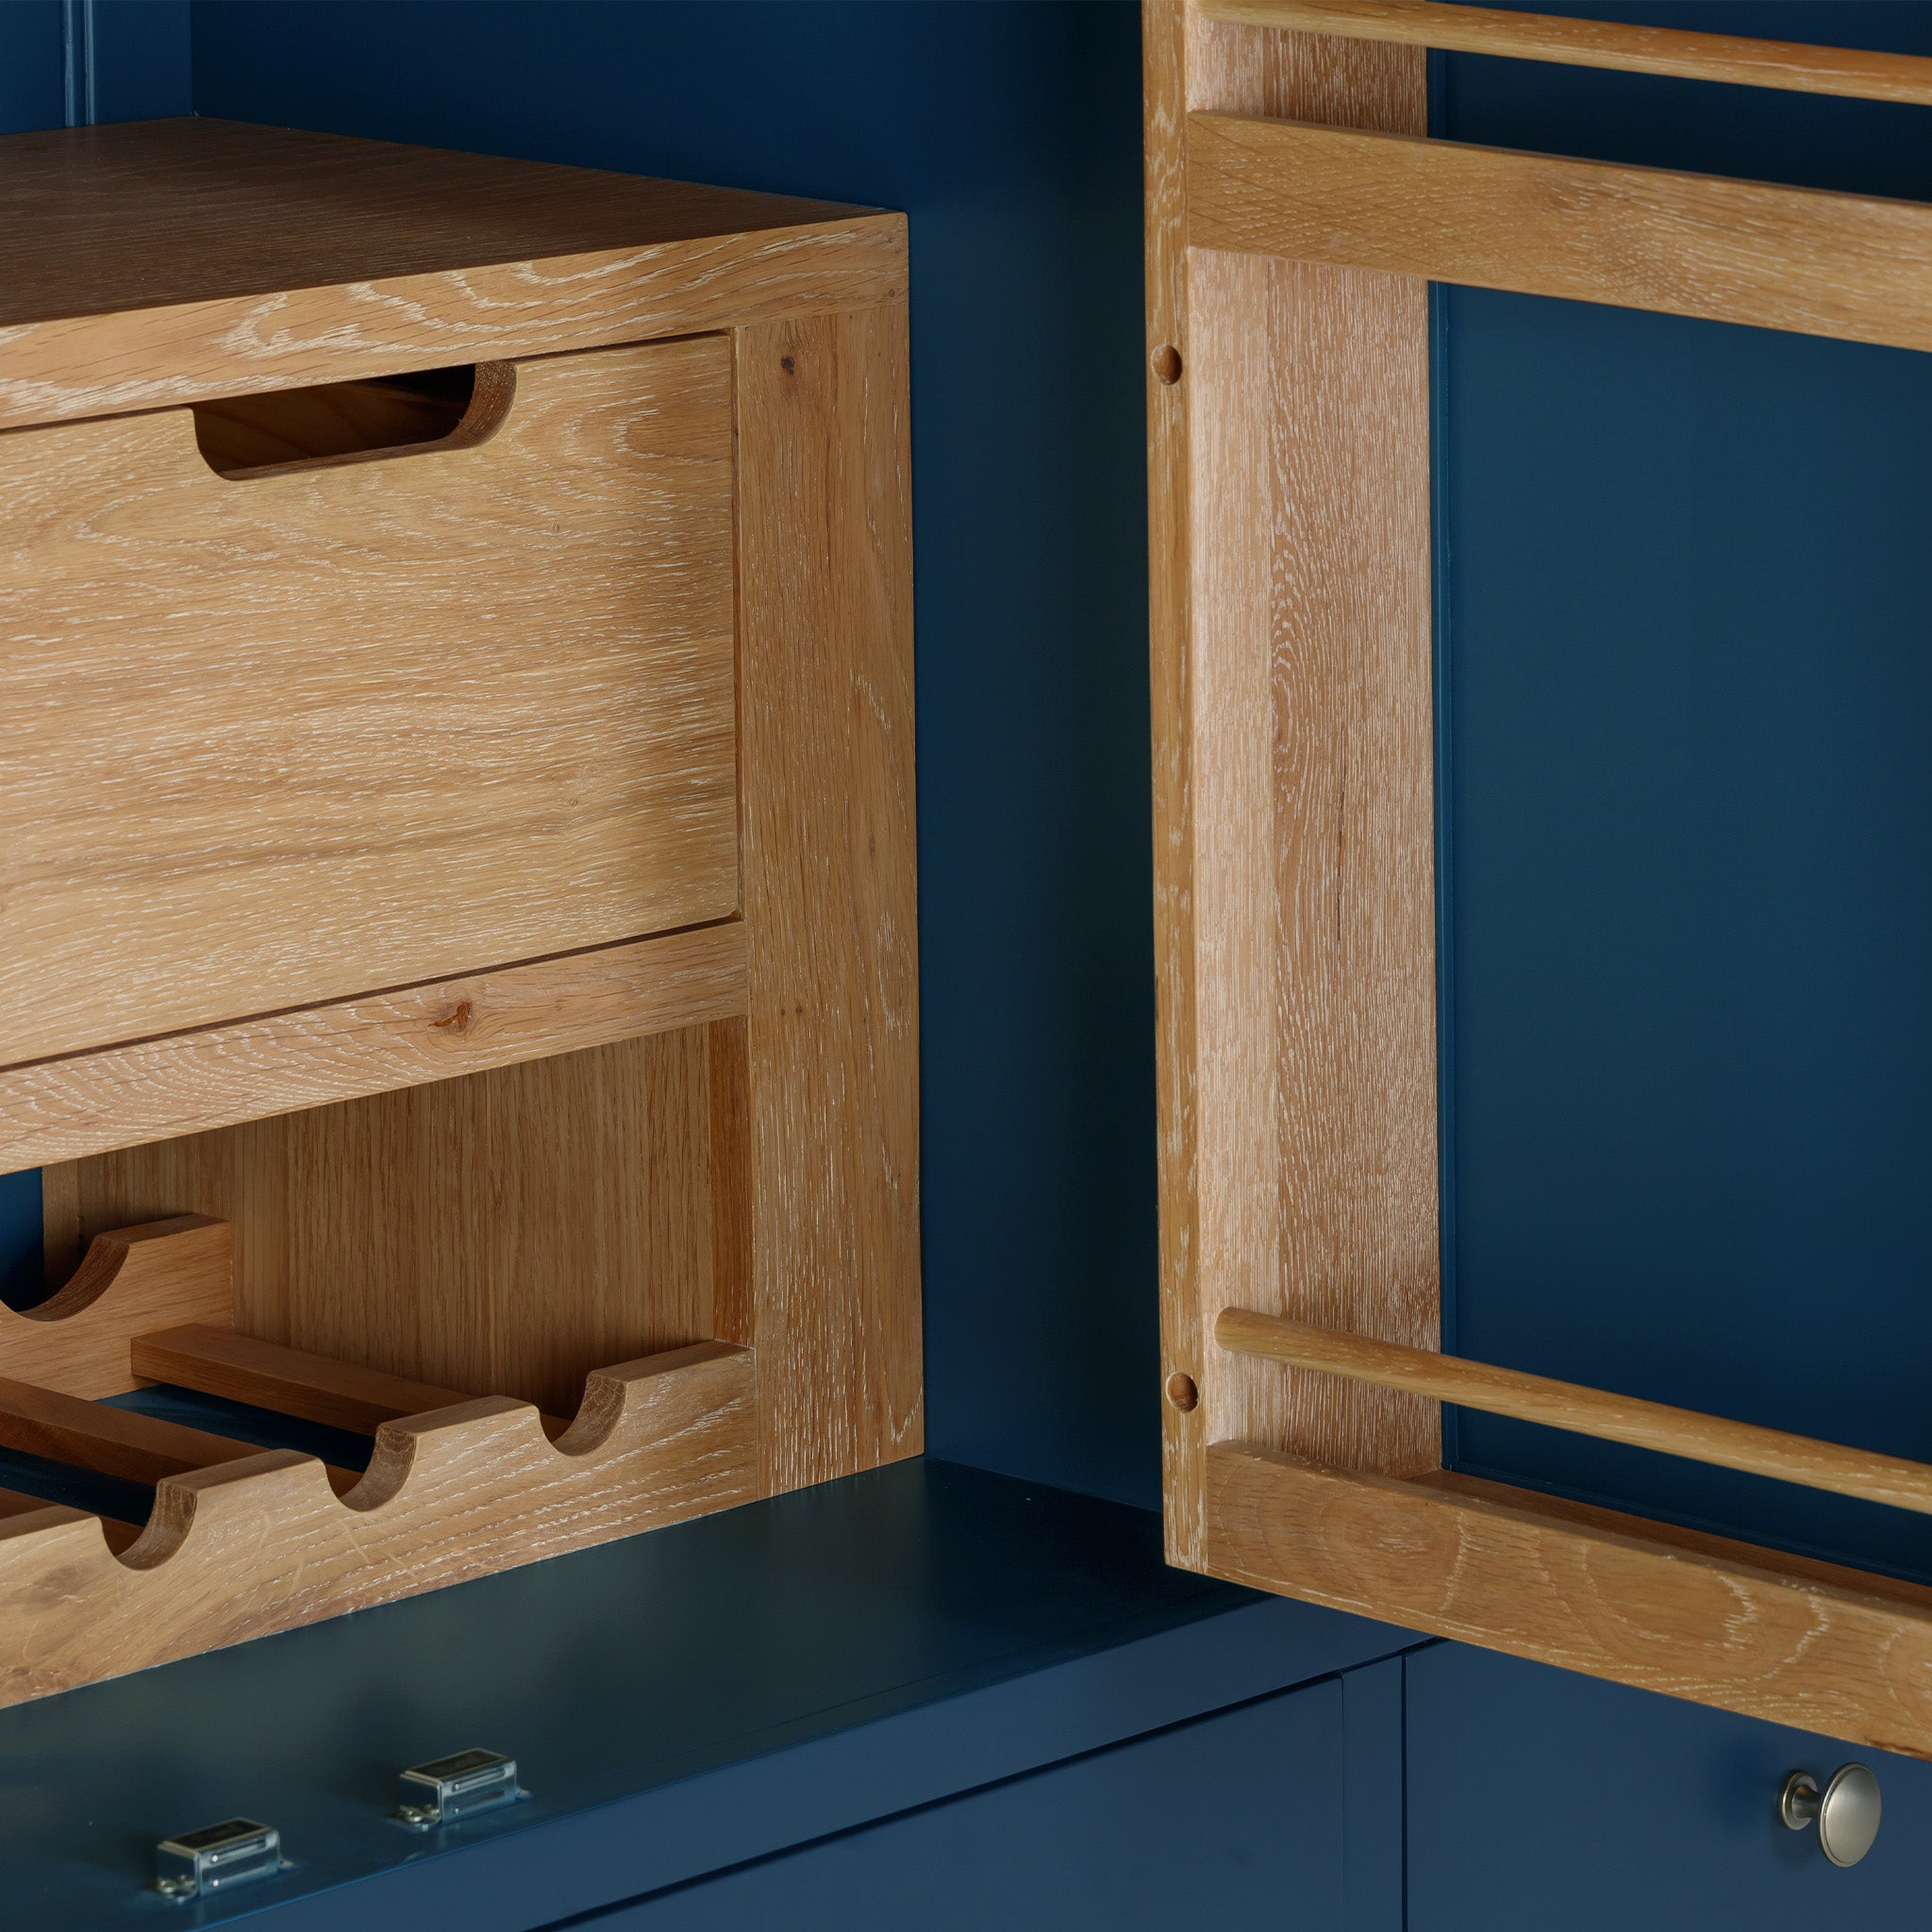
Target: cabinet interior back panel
{"x": 281, "y": 739}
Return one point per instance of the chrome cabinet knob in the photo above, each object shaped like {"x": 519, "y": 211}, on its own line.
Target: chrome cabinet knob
{"x": 1846, "y": 1810}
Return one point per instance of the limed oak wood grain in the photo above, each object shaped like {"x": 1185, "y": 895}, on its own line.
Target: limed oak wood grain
{"x": 167, "y": 261}
{"x": 393, "y": 787}
{"x": 1825, "y": 264}
{"x": 1288, "y": 475}
{"x": 363, "y": 727}
{"x": 1719, "y": 1623}
{"x": 1164, "y": 55}
{"x": 829, "y": 1103}
{"x": 1655, "y": 1426}
{"x": 512, "y": 1230}
{"x": 264, "y": 1545}
{"x": 1314, "y": 818}
{"x": 178, "y": 1270}
{"x": 508, "y": 1231}
{"x": 60, "y": 1110}
{"x": 1856, "y": 72}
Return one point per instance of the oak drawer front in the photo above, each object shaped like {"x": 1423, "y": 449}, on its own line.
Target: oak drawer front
{"x": 288, "y": 738}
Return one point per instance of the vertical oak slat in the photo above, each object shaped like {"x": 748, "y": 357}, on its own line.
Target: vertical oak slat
{"x": 826, "y": 759}
{"x": 1295, "y": 888}
{"x": 1164, "y": 50}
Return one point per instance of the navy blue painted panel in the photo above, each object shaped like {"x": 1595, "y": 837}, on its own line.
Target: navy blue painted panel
{"x": 678, "y": 1702}
{"x": 1815, "y": 141}
{"x": 1234, "y": 1820}
{"x": 32, "y": 66}
{"x": 1539, "y": 1799}
{"x": 1010, "y": 133}
{"x": 140, "y": 66}
{"x": 1688, "y": 831}
{"x": 1373, "y": 1778}
{"x": 20, "y": 1285}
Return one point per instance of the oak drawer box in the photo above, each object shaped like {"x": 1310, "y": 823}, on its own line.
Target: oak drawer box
{"x": 303, "y": 733}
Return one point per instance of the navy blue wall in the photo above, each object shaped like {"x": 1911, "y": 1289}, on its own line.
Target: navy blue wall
{"x": 1011, "y": 135}
{"x": 63, "y": 65}
{"x": 32, "y": 66}
{"x": 1688, "y": 852}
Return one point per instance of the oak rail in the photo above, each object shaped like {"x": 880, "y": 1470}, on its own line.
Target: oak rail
{"x": 215, "y": 1360}
{"x": 1783, "y": 1637}
{"x": 1799, "y": 68}
{"x": 1856, "y": 268}
{"x": 1744, "y": 1446}
{"x": 376, "y": 1043}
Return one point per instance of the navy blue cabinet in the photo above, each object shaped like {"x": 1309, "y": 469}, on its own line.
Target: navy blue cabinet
{"x": 1539, "y": 1799}
{"x": 1234, "y": 1820}
{"x": 995, "y": 1680}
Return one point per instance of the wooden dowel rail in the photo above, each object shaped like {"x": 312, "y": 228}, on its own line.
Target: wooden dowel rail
{"x": 1788, "y": 64}
{"x": 316, "y": 1388}
{"x": 1745, "y": 1446}
{"x": 116, "y": 1441}
{"x": 218, "y": 1361}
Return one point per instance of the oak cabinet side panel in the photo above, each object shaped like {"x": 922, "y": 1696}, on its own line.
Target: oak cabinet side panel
{"x": 831, "y": 1035}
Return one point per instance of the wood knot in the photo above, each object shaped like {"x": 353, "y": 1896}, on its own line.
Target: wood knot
{"x": 457, "y": 1019}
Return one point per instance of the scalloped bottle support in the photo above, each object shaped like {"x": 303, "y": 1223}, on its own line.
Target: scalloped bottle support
{"x": 263, "y": 1543}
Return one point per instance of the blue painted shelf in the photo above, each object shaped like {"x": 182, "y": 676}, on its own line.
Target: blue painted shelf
{"x": 678, "y": 1703}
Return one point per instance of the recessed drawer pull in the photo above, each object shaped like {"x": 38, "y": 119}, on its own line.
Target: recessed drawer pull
{"x": 280, "y": 432}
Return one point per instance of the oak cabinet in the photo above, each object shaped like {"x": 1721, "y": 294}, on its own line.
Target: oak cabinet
{"x": 458, "y": 978}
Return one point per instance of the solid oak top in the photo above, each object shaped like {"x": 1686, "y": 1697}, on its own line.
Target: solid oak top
{"x": 145, "y": 214}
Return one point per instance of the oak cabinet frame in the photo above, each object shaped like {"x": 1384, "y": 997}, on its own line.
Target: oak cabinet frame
{"x": 1295, "y": 212}
{"x": 458, "y": 838}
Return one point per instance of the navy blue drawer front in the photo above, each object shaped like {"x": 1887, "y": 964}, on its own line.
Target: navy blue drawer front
{"x": 1234, "y": 1820}
{"x": 1539, "y": 1799}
